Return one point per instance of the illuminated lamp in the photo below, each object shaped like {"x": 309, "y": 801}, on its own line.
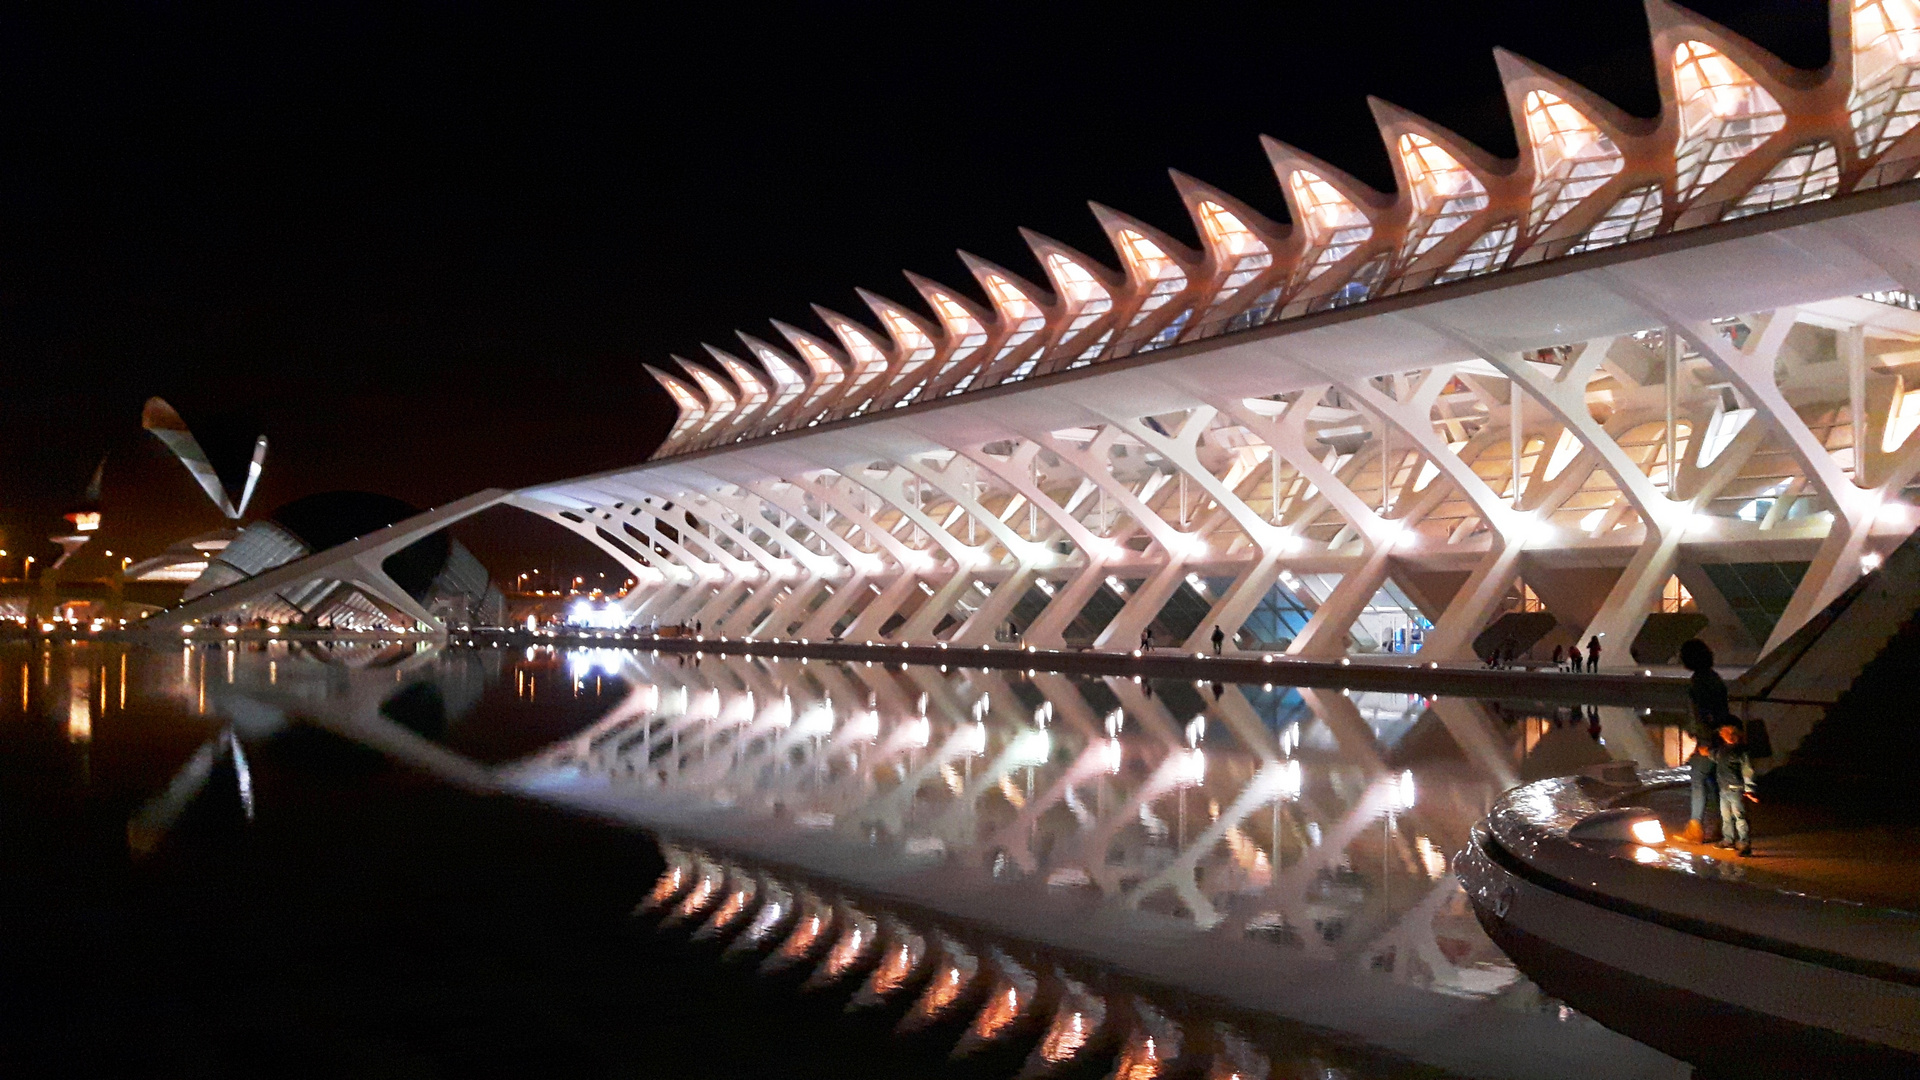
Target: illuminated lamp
{"x": 1620, "y": 825}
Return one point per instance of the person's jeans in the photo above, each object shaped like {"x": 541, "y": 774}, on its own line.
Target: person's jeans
{"x": 1733, "y": 814}
{"x": 1705, "y": 789}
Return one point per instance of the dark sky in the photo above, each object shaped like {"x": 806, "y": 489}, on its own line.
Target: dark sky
{"x": 426, "y": 247}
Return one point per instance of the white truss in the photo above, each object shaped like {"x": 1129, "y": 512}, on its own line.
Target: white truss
{"x": 1685, "y": 342}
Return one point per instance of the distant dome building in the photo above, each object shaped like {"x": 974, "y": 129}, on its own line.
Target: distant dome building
{"x": 437, "y": 571}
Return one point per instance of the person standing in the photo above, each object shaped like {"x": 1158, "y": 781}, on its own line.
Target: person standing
{"x": 1734, "y": 768}
{"x": 1559, "y": 658}
{"x": 1146, "y": 640}
{"x": 1593, "y": 654}
{"x": 1219, "y": 639}
{"x": 1707, "y": 713}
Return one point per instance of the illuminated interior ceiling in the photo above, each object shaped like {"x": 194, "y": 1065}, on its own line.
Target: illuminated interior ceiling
{"x": 1467, "y": 374}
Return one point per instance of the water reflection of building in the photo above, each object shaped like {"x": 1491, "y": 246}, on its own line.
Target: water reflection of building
{"x": 1304, "y": 820}
{"x": 1655, "y": 377}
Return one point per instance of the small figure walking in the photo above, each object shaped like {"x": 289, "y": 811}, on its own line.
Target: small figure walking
{"x": 1219, "y": 639}
{"x": 1146, "y": 640}
{"x": 1593, "y": 654}
{"x": 1735, "y": 768}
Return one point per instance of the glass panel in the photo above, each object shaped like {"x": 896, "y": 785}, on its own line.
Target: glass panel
{"x": 1017, "y": 310}
{"x": 1234, "y": 246}
{"x": 1087, "y": 298}
{"x": 1444, "y": 195}
{"x": 962, "y": 328}
{"x": 1488, "y": 252}
{"x": 916, "y": 347}
{"x": 1724, "y": 115}
{"x": 1631, "y": 217}
{"x": 718, "y": 395}
{"x": 1808, "y": 174}
{"x": 1886, "y": 46}
{"x": 753, "y": 393}
{"x": 1572, "y": 158}
{"x": 786, "y": 381}
{"x": 691, "y": 410}
{"x": 1334, "y": 225}
{"x": 869, "y": 362}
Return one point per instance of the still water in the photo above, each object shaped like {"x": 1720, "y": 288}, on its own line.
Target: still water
{"x": 812, "y": 868}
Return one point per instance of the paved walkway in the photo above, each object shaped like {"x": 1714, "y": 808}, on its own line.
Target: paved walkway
{"x": 1806, "y": 850}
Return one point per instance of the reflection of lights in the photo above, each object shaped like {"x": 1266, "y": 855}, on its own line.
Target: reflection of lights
{"x": 915, "y": 734}
{"x": 1001, "y": 1011}
{"x": 666, "y": 888}
{"x": 1112, "y": 756}
{"x": 1071, "y": 1030}
{"x": 1287, "y": 781}
{"x": 771, "y": 913}
{"x": 970, "y": 739}
{"x": 1869, "y": 562}
{"x": 736, "y": 903}
{"x": 1030, "y": 748}
{"x": 584, "y": 662}
{"x": 861, "y": 727}
{"x": 847, "y": 951}
{"x": 896, "y": 967}
{"x": 946, "y": 987}
{"x": 1405, "y": 792}
{"x": 804, "y": 935}
{"x": 817, "y": 720}
{"x": 696, "y": 900}
{"x": 1645, "y": 855}
{"x": 1190, "y": 768}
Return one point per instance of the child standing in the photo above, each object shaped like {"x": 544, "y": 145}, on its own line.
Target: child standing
{"x": 1733, "y": 767}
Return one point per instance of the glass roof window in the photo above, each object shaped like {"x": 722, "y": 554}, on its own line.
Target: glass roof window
{"x": 1631, "y": 217}
{"x": 962, "y": 329}
{"x": 692, "y": 411}
{"x": 1334, "y": 225}
{"x": 787, "y": 382}
{"x": 753, "y": 392}
{"x": 1885, "y": 103}
{"x": 1444, "y": 194}
{"x": 1017, "y": 310}
{"x": 1489, "y": 251}
{"x": 869, "y": 361}
{"x": 1572, "y": 158}
{"x": 916, "y": 347}
{"x": 826, "y": 373}
{"x": 717, "y": 394}
{"x": 1808, "y": 174}
{"x": 1235, "y": 247}
{"x": 1724, "y": 115}
{"x": 1088, "y": 298}
{"x": 1151, "y": 265}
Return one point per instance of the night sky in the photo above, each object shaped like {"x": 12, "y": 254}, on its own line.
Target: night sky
{"x": 425, "y": 247}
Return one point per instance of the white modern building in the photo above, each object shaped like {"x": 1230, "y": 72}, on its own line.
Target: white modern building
{"x": 1651, "y": 378}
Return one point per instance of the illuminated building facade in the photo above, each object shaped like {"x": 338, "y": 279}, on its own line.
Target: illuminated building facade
{"x": 1661, "y": 368}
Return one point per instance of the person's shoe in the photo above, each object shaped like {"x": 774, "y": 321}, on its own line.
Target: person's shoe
{"x": 1692, "y": 833}
{"x": 1746, "y": 850}
{"x": 1723, "y": 843}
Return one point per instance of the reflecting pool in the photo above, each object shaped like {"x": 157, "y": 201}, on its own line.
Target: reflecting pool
{"x": 1050, "y": 873}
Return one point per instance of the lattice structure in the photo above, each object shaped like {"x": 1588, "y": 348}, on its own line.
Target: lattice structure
{"x": 1643, "y": 349}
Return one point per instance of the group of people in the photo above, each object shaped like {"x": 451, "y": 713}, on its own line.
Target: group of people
{"x": 1569, "y": 659}
{"x": 1505, "y": 655}
{"x": 1721, "y": 765}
